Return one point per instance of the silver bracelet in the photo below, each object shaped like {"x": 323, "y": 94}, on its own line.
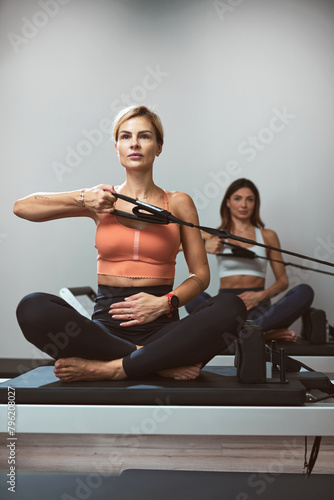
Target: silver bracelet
{"x": 81, "y": 197}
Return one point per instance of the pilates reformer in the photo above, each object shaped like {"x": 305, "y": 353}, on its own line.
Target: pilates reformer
{"x": 271, "y": 388}
{"x": 262, "y": 375}
{"x": 152, "y": 214}
{"x": 244, "y": 399}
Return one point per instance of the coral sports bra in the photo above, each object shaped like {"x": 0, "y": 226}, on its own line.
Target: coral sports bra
{"x": 137, "y": 253}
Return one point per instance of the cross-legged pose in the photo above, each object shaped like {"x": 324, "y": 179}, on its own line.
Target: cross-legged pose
{"x": 135, "y": 329}
{"x": 245, "y": 277}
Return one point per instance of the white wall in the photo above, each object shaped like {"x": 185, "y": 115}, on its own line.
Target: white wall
{"x": 217, "y": 72}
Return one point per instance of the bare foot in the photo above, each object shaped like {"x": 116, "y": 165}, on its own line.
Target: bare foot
{"x": 75, "y": 369}
{"x": 182, "y": 373}
{"x": 281, "y": 334}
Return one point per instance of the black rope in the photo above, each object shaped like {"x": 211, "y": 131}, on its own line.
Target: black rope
{"x": 158, "y": 215}
{"x": 155, "y": 215}
{"x": 242, "y": 252}
{"x": 313, "y": 456}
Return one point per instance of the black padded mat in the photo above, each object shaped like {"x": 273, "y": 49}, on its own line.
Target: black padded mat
{"x": 216, "y": 386}
{"x": 169, "y": 485}
{"x": 304, "y": 347}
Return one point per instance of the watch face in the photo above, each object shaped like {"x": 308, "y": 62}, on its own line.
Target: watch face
{"x": 174, "y": 301}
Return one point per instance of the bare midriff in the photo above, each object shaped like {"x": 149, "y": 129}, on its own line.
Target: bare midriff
{"x": 104, "y": 279}
{"x": 242, "y": 281}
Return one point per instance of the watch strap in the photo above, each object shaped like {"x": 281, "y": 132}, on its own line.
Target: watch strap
{"x": 171, "y": 307}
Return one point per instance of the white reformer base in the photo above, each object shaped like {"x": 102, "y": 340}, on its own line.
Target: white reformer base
{"x": 311, "y": 419}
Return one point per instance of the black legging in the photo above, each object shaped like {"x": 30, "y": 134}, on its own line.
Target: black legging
{"x": 55, "y": 327}
{"x": 296, "y": 302}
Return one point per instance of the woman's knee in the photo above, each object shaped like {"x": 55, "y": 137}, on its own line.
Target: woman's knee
{"x": 230, "y": 300}
{"x": 230, "y": 310}
{"x": 31, "y": 308}
{"x": 305, "y": 292}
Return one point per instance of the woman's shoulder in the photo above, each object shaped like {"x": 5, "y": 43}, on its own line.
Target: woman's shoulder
{"x": 180, "y": 204}
{"x": 269, "y": 236}
{"x": 177, "y": 197}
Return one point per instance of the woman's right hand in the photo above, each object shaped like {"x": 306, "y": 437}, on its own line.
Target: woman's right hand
{"x": 100, "y": 199}
{"x": 214, "y": 245}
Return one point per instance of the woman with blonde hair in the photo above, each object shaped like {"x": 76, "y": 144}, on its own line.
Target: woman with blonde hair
{"x": 135, "y": 328}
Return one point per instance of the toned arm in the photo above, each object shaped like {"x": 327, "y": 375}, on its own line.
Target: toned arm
{"x": 42, "y": 207}
{"x": 182, "y": 206}
{"x": 281, "y": 278}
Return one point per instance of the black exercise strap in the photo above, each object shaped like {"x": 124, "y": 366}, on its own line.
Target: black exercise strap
{"x": 155, "y": 215}
{"x": 152, "y": 214}
{"x": 242, "y": 252}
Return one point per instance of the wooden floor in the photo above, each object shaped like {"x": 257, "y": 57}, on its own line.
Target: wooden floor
{"x": 111, "y": 454}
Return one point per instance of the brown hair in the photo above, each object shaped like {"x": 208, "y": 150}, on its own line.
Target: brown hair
{"x": 225, "y": 211}
{"x": 132, "y": 112}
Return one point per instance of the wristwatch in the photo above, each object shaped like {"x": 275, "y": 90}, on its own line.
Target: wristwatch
{"x": 173, "y": 302}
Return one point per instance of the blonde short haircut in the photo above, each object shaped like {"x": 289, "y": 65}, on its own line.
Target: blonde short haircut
{"x": 132, "y": 112}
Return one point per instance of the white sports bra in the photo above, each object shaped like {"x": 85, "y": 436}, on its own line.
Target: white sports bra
{"x": 230, "y": 265}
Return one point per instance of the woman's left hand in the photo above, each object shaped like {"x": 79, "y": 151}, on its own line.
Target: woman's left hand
{"x": 139, "y": 309}
{"x": 251, "y": 299}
